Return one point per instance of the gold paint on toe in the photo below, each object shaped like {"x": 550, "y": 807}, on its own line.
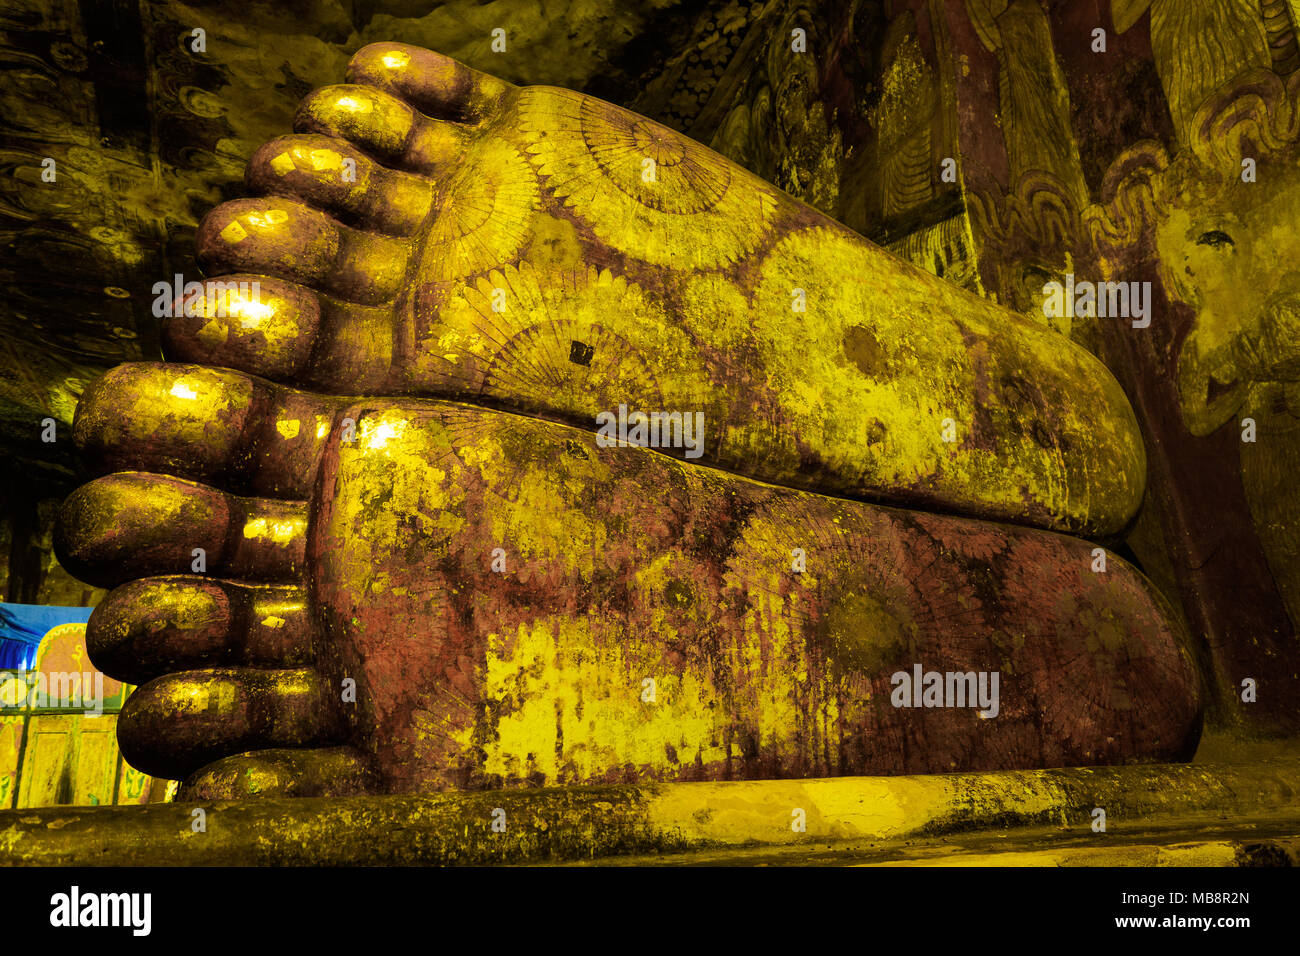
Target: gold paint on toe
{"x": 369, "y": 117}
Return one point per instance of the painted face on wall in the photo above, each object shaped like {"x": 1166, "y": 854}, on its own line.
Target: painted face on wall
{"x": 1231, "y": 250}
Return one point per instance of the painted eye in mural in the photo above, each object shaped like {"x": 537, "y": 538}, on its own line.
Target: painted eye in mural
{"x": 1215, "y": 238}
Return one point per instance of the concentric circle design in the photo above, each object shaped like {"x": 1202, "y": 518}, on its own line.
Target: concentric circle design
{"x": 573, "y": 344}
{"x": 689, "y": 177}
{"x": 643, "y": 188}
{"x": 850, "y": 553}
{"x": 485, "y": 217}
{"x": 569, "y": 364}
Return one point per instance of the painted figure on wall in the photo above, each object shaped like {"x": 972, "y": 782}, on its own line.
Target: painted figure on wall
{"x": 1201, "y": 45}
{"x": 1221, "y": 214}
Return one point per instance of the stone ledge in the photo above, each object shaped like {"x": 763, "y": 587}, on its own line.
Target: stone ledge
{"x": 583, "y": 823}
{"x": 1268, "y": 838}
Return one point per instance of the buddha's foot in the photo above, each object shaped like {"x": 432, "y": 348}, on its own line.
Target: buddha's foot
{"x": 406, "y": 595}
{"x": 430, "y": 231}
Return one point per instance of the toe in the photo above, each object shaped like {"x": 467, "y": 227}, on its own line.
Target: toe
{"x": 324, "y": 772}
{"x": 289, "y": 333}
{"x": 290, "y": 240}
{"x": 213, "y": 425}
{"x": 176, "y": 724}
{"x": 134, "y": 525}
{"x": 354, "y": 355}
{"x": 433, "y": 83}
{"x": 155, "y": 626}
{"x": 267, "y": 329}
{"x": 383, "y": 126}
{"x": 334, "y": 175}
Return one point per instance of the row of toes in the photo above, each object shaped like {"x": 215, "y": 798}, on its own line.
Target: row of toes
{"x": 199, "y": 518}
{"x": 198, "y": 521}
{"x": 360, "y": 172}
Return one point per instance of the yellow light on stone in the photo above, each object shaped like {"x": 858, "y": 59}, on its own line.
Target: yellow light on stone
{"x": 325, "y": 160}
{"x": 267, "y": 219}
{"x": 352, "y": 104}
{"x": 280, "y": 532}
{"x": 378, "y": 436}
{"x": 181, "y": 390}
{"x": 395, "y": 61}
{"x": 250, "y": 312}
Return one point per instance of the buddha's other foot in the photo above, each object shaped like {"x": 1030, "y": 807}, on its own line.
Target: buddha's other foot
{"x": 409, "y": 595}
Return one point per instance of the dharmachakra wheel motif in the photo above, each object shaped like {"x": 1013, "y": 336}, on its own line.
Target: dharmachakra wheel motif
{"x": 645, "y": 190}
